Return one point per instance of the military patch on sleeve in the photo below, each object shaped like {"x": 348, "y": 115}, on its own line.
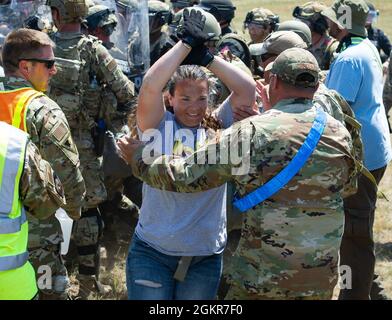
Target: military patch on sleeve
{"x": 112, "y": 65}
{"x": 60, "y": 131}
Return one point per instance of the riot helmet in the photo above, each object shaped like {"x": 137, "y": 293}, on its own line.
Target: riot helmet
{"x": 70, "y": 11}
{"x": 222, "y": 10}
{"x": 310, "y": 13}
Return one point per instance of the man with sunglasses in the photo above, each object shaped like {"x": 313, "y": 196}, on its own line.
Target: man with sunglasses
{"x": 86, "y": 69}
{"x": 275, "y": 43}
{"x": 28, "y": 62}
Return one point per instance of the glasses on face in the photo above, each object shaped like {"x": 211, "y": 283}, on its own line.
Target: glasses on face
{"x": 257, "y": 26}
{"x": 49, "y": 63}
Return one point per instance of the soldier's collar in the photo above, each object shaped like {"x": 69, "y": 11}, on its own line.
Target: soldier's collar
{"x": 295, "y": 105}
{"x": 69, "y": 35}
{"x": 10, "y": 82}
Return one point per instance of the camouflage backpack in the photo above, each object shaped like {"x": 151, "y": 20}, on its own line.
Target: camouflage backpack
{"x": 75, "y": 86}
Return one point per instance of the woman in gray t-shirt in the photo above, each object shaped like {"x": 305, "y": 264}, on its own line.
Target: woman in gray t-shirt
{"x": 176, "y": 252}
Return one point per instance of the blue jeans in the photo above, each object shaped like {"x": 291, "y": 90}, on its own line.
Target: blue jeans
{"x": 150, "y": 275}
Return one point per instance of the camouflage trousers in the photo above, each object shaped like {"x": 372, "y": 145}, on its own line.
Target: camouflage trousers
{"x": 240, "y": 293}
{"x": 87, "y": 233}
{"x": 45, "y": 237}
{"x": 88, "y": 229}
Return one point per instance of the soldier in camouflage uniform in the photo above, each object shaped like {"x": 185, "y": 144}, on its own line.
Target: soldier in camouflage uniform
{"x": 289, "y": 243}
{"x": 158, "y": 14}
{"x": 49, "y": 130}
{"x": 85, "y": 68}
{"x": 266, "y": 52}
{"x": 323, "y": 46}
{"x": 101, "y": 23}
{"x": 260, "y": 22}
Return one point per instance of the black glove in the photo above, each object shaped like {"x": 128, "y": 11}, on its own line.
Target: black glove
{"x": 192, "y": 32}
{"x": 199, "y": 56}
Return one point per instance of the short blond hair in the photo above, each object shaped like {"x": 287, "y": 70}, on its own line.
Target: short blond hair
{"x": 22, "y": 43}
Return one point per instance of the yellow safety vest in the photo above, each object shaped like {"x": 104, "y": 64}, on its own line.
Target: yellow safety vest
{"x": 17, "y": 276}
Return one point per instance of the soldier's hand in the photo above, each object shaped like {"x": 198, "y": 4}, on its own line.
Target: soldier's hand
{"x": 192, "y": 32}
{"x": 127, "y": 147}
{"x": 243, "y": 112}
{"x": 262, "y": 92}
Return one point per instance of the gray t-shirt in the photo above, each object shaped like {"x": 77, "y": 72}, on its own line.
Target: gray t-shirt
{"x": 182, "y": 224}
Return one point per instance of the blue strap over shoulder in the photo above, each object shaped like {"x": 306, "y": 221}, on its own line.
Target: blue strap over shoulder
{"x": 283, "y": 177}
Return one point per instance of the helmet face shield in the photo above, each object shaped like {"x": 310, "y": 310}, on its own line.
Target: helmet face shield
{"x": 372, "y": 17}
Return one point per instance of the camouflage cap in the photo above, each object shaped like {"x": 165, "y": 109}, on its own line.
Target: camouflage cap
{"x": 277, "y": 42}
{"x": 298, "y": 67}
{"x": 300, "y": 28}
{"x": 352, "y": 12}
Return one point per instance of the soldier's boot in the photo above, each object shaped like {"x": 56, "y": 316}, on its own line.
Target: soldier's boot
{"x": 88, "y": 285}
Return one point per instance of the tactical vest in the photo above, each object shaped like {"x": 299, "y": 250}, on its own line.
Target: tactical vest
{"x": 75, "y": 87}
{"x": 17, "y": 276}
{"x": 14, "y": 104}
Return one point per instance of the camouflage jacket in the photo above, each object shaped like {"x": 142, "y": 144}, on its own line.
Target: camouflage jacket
{"x": 335, "y": 105}
{"x": 41, "y": 191}
{"x": 289, "y": 243}
{"x": 324, "y": 51}
{"x": 84, "y": 69}
{"x": 50, "y": 132}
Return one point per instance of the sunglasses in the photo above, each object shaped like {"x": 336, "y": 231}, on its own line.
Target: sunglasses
{"x": 49, "y": 63}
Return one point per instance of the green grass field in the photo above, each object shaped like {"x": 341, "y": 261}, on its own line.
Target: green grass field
{"x": 284, "y": 9}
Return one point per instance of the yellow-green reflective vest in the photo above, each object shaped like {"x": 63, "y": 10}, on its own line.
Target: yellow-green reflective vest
{"x": 17, "y": 276}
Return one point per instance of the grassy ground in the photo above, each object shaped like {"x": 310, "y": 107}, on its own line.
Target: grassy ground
{"x": 117, "y": 242}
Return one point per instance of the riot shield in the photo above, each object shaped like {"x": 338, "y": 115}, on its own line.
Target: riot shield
{"x": 119, "y": 37}
{"x": 138, "y": 40}
{"x": 34, "y": 14}
{"x": 6, "y": 24}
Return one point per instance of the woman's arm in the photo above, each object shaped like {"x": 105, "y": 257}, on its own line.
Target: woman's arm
{"x": 150, "y": 109}
{"x": 241, "y": 84}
